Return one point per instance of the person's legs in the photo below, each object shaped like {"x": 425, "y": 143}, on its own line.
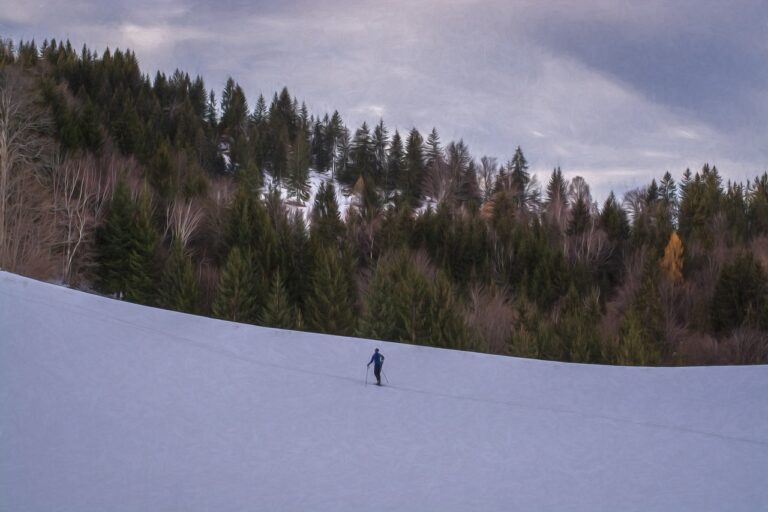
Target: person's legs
{"x": 377, "y": 373}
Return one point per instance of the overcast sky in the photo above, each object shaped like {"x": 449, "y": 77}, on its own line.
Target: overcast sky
{"x": 615, "y": 91}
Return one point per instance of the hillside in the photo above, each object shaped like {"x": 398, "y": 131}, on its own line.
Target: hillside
{"x": 108, "y": 405}
{"x": 165, "y": 190}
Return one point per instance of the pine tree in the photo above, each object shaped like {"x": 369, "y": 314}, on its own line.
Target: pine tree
{"x": 259, "y": 115}
{"x": 278, "y": 311}
{"x": 237, "y": 295}
{"x": 298, "y": 168}
{"x": 518, "y": 168}
{"x": 395, "y": 163}
{"x": 580, "y": 218}
{"x": 127, "y": 129}
{"x": 741, "y": 295}
{"x": 413, "y": 174}
{"x": 406, "y": 304}
{"x": 114, "y": 241}
{"x": 330, "y": 305}
{"x": 668, "y": 195}
{"x": 362, "y": 155}
{"x": 326, "y": 227}
{"x": 334, "y": 129}
{"x": 757, "y": 196}
{"x": 161, "y": 172}
{"x": 556, "y": 201}
{"x": 434, "y": 152}
{"x": 142, "y": 277}
{"x": 343, "y": 149}
{"x": 613, "y": 219}
{"x": 380, "y": 144}
{"x": 179, "y": 288}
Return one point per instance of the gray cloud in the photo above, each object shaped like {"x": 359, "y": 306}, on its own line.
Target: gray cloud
{"x": 613, "y": 91}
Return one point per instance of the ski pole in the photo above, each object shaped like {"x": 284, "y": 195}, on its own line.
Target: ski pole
{"x": 366, "y": 374}
{"x": 385, "y": 376}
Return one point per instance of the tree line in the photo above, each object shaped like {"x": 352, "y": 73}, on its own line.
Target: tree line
{"x": 154, "y": 190}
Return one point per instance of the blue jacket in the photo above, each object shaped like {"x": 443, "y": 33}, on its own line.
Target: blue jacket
{"x": 377, "y": 359}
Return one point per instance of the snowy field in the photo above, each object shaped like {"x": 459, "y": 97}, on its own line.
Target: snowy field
{"x": 109, "y": 406}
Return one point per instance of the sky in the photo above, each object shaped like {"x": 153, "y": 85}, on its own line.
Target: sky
{"x": 615, "y": 91}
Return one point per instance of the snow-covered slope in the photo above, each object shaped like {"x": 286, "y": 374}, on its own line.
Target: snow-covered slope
{"x": 106, "y": 405}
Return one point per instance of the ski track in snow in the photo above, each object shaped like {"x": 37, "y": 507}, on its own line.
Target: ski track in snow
{"x": 444, "y": 434}
{"x": 169, "y": 336}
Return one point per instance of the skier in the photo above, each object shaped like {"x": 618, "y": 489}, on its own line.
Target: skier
{"x": 378, "y": 361}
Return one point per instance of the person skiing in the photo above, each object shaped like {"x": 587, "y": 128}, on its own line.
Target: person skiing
{"x": 378, "y": 361}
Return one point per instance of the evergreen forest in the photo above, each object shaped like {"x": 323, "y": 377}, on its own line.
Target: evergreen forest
{"x": 160, "y": 191}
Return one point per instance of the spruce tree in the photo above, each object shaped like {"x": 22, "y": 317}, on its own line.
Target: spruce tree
{"x": 405, "y": 303}
{"x": 380, "y": 144}
{"x": 362, "y": 155}
{"x": 278, "y": 311}
{"x": 413, "y": 173}
{"x": 395, "y": 163}
{"x": 114, "y": 241}
{"x": 179, "y": 288}
{"x": 741, "y": 295}
{"x": 434, "y": 152}
{"x": 518, "y": 169}
{"x": 580, "y": 218}
{"x": 330, "y": 305}
{"x": 326, "y": 225}
{"x": 613, "y": 219}
{"x": 298, "y": 168}
{"x": 237, "y": 294}
{"x": 142, "y": 277}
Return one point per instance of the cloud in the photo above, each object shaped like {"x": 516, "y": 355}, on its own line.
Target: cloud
{"x": 618, "y": 91}
{"x": 153, "y": 38}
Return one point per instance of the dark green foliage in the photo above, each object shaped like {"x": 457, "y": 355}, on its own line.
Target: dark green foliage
{"x": 298, "y": 168}
{"x": 115, "y": 241}
{"x": 330, "y": 305}
{"x": 238, "y": 296}
{"x": 413, "y": 173}
{"x": 395, "y": 163}
{"x": 362, "y": 157}
{"x": 518, "y": 170}
{"x": 380, "y": 142}
{"x": 249, "y": 227}
{"x": 279, "y": 311}
{"x": 758, "y": 206}
{"x": 580, "y": 218}
{"x": 434, "y": 152}
{"x": 141, "y": 282}
{"x": 127, "y": 129}
{"x": 458, "y": 242}
{"x": 741, "y": 295}
{"x": 326, "y": 227}
{"x": 412, "y": 304}
{"x": 699, "y": 203}
{"x": 643, "y": 331}
{"x": 179, "y": 288}
{"x": 161, "y": 172}
{"x": 613, "y": 220}
{"x": 549, "y": 258}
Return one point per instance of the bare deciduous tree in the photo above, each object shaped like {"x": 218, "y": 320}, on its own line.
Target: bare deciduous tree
{"x": 489, "y": 168}
{"x": 24, "y": 150}
{"x": 80, "y": 192}
{"x": 182, "y": 220}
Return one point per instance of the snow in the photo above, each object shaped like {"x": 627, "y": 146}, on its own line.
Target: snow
{"x": 315, "y": 180}
{"x": 106, "y": 405}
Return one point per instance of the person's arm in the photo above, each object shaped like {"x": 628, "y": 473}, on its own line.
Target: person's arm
{"x": 369, "y": 362}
